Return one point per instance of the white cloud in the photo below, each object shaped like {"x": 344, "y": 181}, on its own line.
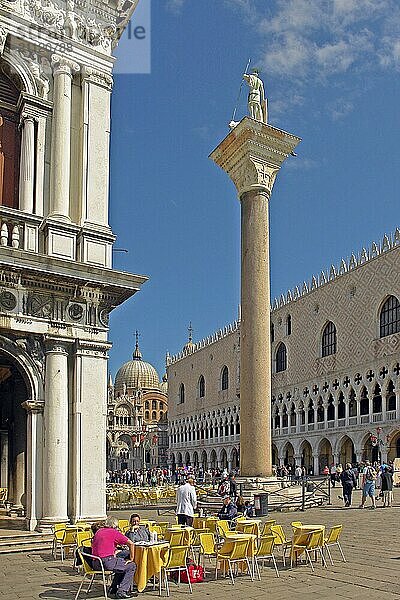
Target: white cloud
{"x": 302, "y": 42}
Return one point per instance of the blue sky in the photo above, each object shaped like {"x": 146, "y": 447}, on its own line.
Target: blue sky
{"x": 331, "y": 73}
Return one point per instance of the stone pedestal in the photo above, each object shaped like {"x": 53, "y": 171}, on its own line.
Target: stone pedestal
{"x": 252, "y": 154}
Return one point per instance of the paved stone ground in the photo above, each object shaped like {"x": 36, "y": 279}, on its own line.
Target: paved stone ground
{"x": 370, "y": 541}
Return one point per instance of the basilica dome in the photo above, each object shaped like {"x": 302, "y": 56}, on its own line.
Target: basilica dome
{"x": 136, "y": 373}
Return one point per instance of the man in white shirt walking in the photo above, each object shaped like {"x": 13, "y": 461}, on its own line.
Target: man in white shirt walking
{"x": 186, "y": 502}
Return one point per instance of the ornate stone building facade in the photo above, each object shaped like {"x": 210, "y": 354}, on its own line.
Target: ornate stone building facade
{"x": 335, "y": 363}
{"x": 57, "y": 285}
{"x": 137, "y": 417}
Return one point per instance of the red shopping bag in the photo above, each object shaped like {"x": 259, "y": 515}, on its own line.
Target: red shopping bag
{"x": 196, "y": 574}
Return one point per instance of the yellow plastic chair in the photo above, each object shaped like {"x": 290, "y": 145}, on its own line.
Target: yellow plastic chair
{"x": 266, "y": 530}
{"x": 88, "y": 571}
{"x": 67, "y": 543}
{"x": 248, "y": 528}
{"x": 281, "y": 540}
{"x": 58, "y": 534}
{"x": 233, "y": 552}
{"x": 315, "y": 544}
{"x": 332, "y": 539}
{"x": 265, "y": 549}
{"x": 175, "y": 538}
{"x": 299, "y": 545}
{"x": 207, "y": 546}
{"x": 296, "y": 524}
{"x": 123, "y": 524}
{"x": 176, "y": 561}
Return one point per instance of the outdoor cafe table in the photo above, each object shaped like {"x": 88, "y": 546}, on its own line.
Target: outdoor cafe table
{"x": 149, "y": 559}
{"x": 185, "y": 528}
{"x": 246, "y": 522}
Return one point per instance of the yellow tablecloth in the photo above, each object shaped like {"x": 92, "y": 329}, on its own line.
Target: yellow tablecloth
{"x": 149, "y": 560}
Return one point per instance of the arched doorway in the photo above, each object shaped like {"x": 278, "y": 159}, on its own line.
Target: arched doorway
{"x": 370, "y": 450}
{"x": 234, "y": 459}
{"x": 195, "y": 460}
{"x": 204, "y": 460}
{"x": 213, "y": 459}
{"x": 13, "y": 438}
{"x": 346, "y": 451}
{"x": 179, "y": 459}
{"x": 288, "y": 454}
{"x": 394, "y": 446}
{"x": 306, "y": 455}
{"x": 325, "y": 457}
{"x": 187, "y": 459}
{"x": 223, "y": 459}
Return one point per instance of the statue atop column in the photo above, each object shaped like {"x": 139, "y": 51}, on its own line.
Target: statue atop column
{"x": 256, "y": 100}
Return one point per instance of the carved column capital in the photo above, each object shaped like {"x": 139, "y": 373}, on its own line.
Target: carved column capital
{"x": 33, "y": 407}
{"x": 252, "y": 154}
{"x": 57, "y": 346}
{"x": 62, "y": 65}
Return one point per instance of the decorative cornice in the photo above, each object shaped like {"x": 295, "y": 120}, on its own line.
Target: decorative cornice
{"x": 99, "y": 77}
{"x": 389, "y": 242}
{"x": 33, "y": 407}
{"x": 252, "y": 154}
{"x": 211, "y": 339}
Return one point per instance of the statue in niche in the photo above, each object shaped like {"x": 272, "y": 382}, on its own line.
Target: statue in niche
{"x": 256, "y": 100}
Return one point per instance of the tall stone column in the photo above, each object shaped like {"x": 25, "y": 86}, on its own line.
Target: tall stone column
{"x": 63, "y": 71}
{"x": 55, "y": 451}
{"x": 27, "y": 166}
{"x": 252, "y": 154}
{"x": 34, "y": 474}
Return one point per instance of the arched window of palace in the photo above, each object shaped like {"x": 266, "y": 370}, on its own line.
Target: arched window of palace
{"x": 281, "y": 358}
{"x": 329, "y": 339}
{"x": 147, "y": 404}
{"x": 154, "y": 405}
{"x": 390, "y": 317}
{"x": 154, "y": 415}
{"x": 201, "y": 387}
{"x": 390, "y": 397}
{"x": 181, "y": 394}
{"x": 147, "y": 415}
{"x": 10, "y": 141}
{"x": 224, "y": 378}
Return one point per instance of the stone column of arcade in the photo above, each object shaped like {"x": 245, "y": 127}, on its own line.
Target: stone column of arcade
{"x": 252, "y": 154}
{"x": 55, "y": 451}
{"x": 63, "y": 71}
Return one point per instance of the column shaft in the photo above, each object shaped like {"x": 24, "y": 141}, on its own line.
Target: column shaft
{"x": 61, "y": 138}
{"x": 255, "y": 355}
{"x": 55, "y": 455}
{"x": 27, "y": 166}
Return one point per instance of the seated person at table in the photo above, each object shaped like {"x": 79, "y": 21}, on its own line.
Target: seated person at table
{"x": 228, "y": 510}
{"x": 137, "y": 532}
{"x": 240, "y": 504}
{"x": 104, "y": 545}
{"x": 248, "y": 510}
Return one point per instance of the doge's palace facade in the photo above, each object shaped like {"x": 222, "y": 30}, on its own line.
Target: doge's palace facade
{"x": 57, "y": 285}
{"x": 335, "y": 348}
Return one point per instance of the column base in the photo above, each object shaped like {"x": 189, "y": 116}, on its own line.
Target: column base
{"x": 46, "y": 524}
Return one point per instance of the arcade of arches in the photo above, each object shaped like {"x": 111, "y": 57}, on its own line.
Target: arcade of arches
{"x": 207, "y": 459}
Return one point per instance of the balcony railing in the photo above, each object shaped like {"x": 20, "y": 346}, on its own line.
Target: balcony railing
{"x": 377, "y": 417}
{"x": 19, "y": 230}
{"x": 391, "y": 415}
{"x": 321, "y": 425}
{"x": 331, "y": 424}
{"x": 364, "y": 419}
{"x": 341, "y": 422}
{"x": 310, "y": 427}
{"x": 352, "y": 420}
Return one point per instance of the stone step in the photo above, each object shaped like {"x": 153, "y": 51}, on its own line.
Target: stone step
{"x": 25, "y": 543}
